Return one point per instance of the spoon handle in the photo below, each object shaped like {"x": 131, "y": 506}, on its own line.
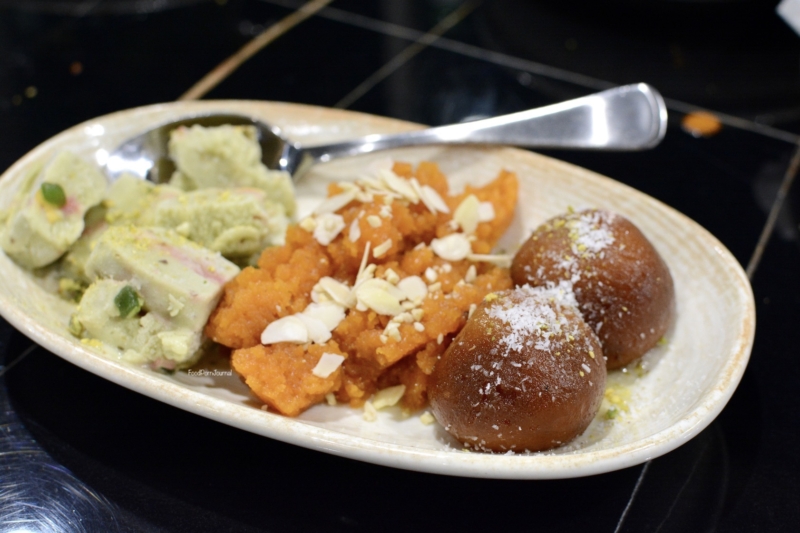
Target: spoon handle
{"x": 631, "y": 117}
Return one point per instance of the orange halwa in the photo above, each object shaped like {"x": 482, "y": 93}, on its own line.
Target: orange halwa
{"x": 281, "y": 374}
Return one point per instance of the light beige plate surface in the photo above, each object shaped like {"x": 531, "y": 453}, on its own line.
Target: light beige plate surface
{"x": 688, "y": 382}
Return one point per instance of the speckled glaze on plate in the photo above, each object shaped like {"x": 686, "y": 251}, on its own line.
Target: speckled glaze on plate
{"x": 687, "y": 383}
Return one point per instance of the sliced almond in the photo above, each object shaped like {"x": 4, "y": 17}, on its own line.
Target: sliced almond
{"x": 471, "y": 274}
{"x": 382, "y": 248}
{"x": 413, "y": 287}
{"x": 453, "y": 247}
{"x": 327, "y": 365}
{"x": 329, "y": 313}
{"x": 391, "y": 276}
{"x": 373, "y": 184}
{"x": 338, "y": 291}
{"x": 432, "y": 198}
{"x": 286, "y": 329}
{"x": 418, "y": 190}
{"x": 394, "y": 334}
{"x": 501, "y": 260}
{"x": 369, "y": 272}
{"x": 380, "y": 296}
{"x": 399, "y": 185}
{"x": 466, "y": 214}
{"x": 329, "y": 225}
{"x": 430, "y": 274}
{"x": 336, "y": 202}
{"x": 388, "y": 397}
{"x": 318, "y": 331}
{"x": 318, "y": 295}
{"x": 486, "y": 212}
{"x": 308, "y": 224}
{"x": 366, "y": 275}
{"x": 370, "y": 414}
{"x": 355, "y": 231}
{"x": 364, "y": 197}
{"x": 364, "y": 259}
{"x": 348, "y": 186}
{"x": 405, "y": 316}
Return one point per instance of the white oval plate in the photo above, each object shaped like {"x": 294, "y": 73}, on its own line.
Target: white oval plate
{"x": 688, "y": 383}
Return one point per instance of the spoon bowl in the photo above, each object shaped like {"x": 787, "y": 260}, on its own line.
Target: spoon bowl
{"x": 626, "y": 118}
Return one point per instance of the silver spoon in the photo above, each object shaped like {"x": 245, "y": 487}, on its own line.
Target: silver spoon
{"x": 631, "y": 117}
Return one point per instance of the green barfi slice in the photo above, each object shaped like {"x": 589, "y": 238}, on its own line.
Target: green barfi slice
{"x": 147, "y": 338}
{"x": 226, "y": 156}
{"x": 178, "y": 279}
{"x": 235, "y": 222}
{"x": 38, "y": 231}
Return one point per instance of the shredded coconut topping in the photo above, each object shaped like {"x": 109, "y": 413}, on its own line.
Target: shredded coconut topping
{"x": 533, "y": 316}
{"x": 590, "y": 232}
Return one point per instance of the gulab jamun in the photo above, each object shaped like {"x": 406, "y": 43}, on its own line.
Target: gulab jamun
{"x": 526, "y": 373}
{"x": 623, "y": 286}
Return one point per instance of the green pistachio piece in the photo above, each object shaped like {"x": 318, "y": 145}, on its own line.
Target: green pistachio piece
{"x": 53, "y": 194}
{"x": 128, "y": 301}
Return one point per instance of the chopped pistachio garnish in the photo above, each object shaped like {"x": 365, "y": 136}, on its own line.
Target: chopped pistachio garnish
{"x": 75, "y": 327}
{"x": 128, "y": 301}
{"x": 53, "y": 194}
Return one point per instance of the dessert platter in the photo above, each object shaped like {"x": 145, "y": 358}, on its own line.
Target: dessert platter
{"x": 644, "y": 407}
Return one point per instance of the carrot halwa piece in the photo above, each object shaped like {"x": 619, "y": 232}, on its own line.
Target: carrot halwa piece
{"x": 403, "y": 169}
{"x": 280, "y": 374}
{"x": 281, "y": 286}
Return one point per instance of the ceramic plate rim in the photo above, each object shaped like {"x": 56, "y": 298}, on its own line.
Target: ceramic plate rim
{"x": 380, "y": 452}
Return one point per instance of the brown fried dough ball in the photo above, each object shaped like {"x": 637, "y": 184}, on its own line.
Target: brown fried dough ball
{"x": 623, "y": 287}
{"x": 525, "y": 373}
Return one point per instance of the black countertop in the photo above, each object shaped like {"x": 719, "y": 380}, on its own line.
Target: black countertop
{"x": 78, "y": 453}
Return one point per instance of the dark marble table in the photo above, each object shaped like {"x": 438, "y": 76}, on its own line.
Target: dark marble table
{"x": 78, "y": 453}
